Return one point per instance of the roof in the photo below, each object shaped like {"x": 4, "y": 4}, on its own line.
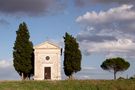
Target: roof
{"x": 47, "y": 45}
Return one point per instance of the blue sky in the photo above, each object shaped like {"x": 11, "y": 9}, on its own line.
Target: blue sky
{"x": 103, "y": 29}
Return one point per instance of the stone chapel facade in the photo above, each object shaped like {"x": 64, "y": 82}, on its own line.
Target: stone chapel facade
{"x": 47, "y": 62}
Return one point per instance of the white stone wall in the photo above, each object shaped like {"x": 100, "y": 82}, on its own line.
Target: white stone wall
{"x": 41, "y": 51}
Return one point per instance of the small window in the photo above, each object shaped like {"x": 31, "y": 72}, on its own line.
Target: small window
{"x": 47, "y": 57}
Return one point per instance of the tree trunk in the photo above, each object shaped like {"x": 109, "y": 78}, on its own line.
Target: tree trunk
{"x": 70, "y": 77}
{"x": 115, "y": 75}
{"x": 22, "y": 76}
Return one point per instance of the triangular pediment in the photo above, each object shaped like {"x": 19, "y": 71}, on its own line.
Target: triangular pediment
{"x": 47, "y": 45}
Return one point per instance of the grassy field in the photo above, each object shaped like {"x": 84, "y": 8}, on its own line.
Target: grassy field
{"x": 69, "y": 85}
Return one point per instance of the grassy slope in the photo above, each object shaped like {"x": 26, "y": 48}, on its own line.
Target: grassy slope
{"x": 69, "y": 85}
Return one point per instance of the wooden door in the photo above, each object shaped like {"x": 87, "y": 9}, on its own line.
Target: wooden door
{"x": 47, "y": 73}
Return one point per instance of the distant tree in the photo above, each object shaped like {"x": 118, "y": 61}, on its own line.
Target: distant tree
{"x": 23, "y": 53}
{"x": 132, "y": 77}
{"x": 72, "y": 56}
{"x": 115, "y": 64}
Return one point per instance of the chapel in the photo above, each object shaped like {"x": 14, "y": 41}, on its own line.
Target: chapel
{"x": 47, "y": 63}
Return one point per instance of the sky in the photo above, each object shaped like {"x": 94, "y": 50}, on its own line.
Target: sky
{"x": 103, "y": 29}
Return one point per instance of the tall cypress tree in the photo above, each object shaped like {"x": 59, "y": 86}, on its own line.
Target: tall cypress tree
{"x": 23, "y": 52}
{"x": 72, "y": 56}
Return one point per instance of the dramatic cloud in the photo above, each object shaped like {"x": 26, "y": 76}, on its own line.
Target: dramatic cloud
{"x": 118, "y": 14}
{"x": 110, "y": 31}
{"x": 30, "y": 7}
{"x": 41, "y": 7}
{"x": 7, "y": 71}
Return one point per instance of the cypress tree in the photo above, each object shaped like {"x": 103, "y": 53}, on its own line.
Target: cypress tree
{"x": 23, "y": 58}
{"x": 72, "y": 56}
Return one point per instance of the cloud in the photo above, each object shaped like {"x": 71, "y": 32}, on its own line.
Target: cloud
{"x": 119, "y": 46}
{"x": 7, "y": 71}
{"x": 114, "y": 1}
{"x": 30, "y": 7}
{"x": 110, "y": 31}
{"x": 3, "y": 22}
{"x": 45, "y": 7}
{"x": 88, "y": 68}
{"x": 121, "y": 18}
{"x": 4, "y": 64}
{"x": 93, "y": 73}
{"x": 94, "y": 38}
{"x": 97, "y": 74}
{"x": 121, "y": 13}
{"x": 82, "y": 3}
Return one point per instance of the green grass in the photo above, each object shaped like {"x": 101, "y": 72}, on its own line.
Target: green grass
{"x": 69, "y": 85}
